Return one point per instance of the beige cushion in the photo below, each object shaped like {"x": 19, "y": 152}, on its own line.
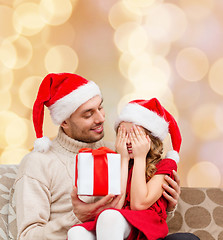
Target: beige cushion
{"x": 200, "y": 211}
{"x": 7, "y": 178}
{"x": 12, "y": 227}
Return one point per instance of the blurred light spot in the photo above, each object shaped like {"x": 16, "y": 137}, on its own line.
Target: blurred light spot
{"x": 144, "y": 75}
{"x": 203, "y": 122}
{"x": 6, "y": 117}
{"x": 6, "y": 29}
{"x": 219, "y": 117}
{"x": 31, "y": 137}
{"x": 169, "y": 26}
{"x": 188, "y": 136}
{"x": 61, "y": 59}
{"x": 197, "y": 9}
{"x": 124, "y": 62}
{"x": 13, "y": 155}
{"x": 8, "y": 55}
{"x": 16, "y": 132}
{"x": 185, "y": 102}
{"x": 63, "y": 34}
{"x": 119, "y": 15}
{"x": 50, "y": 129}
{"x": 140, "y": 64}
{"x": 16, "y": 3}
{"x": 212, "y": 152}
{"x": 161, "y": 63}
{"x": 5, "y": 100}
{"x": 55, "y": 12}
{"x": 74, "y": 2}
{"x": 137, "y": 42}
{"x": 28, "y": 90}
{"x": 192, "y": 64}
{"x": 6, "y": 78}
{"x": 123, "y": 33}
{"x": 129, "y": 97}
{"x": 16, "y": 53}
{"x": 27, "y": 20}
{"x": 204, "y": 174}
{"x": 216, "y": 76}
{"x": 139, "y": 6}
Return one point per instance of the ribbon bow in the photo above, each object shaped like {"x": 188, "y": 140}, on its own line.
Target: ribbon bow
{"x": 100, "y": 168}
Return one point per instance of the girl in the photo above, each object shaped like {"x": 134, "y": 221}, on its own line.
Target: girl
{"x": 141, "y": 211}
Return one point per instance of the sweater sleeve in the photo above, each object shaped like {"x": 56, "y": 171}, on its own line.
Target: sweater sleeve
{"x": 33, "y": 212}
{"x": 34, "y": 197}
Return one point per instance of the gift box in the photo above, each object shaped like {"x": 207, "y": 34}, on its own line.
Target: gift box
{"x": 97, "y": 172}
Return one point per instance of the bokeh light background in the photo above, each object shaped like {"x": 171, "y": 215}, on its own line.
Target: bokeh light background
{"x": 169, "y": 49}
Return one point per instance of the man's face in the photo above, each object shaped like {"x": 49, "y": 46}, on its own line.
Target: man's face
{"x": 86, "y": 123}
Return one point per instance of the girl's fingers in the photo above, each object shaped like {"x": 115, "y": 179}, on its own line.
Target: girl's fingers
{"x": 119, "y": 131}
{"x": 132, "y": 136}
{"x": 123, "y": 132}
{"x": 140, "y": 134}
{"x": 148, "y": 138}
{"x": 122, "y": 137}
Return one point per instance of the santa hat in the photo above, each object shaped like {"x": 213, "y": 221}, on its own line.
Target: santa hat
{"x": 62, "y": 93}
{"x": 155, "y": 118}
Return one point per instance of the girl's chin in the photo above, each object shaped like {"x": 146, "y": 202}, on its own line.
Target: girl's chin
{"x": 131, "y": 156}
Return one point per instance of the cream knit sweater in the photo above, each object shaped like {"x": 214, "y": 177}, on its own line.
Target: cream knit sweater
{"x": 42, "y": 190}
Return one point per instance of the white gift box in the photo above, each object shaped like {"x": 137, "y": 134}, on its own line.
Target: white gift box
{"x": 98, "y": 172}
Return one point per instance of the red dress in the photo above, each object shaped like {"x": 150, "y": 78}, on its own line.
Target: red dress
{"x": 150, "y": 223}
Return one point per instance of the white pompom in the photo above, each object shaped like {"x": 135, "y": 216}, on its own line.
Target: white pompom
{"x": 42, "y": 144}
{"x": 173, "y": 155}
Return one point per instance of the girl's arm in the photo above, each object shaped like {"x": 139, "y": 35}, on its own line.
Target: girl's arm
{"x": 121, "y": 148}
{"x": 143, "y": 194}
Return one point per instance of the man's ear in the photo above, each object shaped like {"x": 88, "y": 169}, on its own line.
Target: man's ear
{"x": 64, "y": 124}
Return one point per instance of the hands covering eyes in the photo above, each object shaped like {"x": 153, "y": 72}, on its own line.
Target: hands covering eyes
{"x": 140, "y": 142}
{"x": 135, "y": 139}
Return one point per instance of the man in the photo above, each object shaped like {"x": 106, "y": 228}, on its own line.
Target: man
{"x": 45, "y": 207}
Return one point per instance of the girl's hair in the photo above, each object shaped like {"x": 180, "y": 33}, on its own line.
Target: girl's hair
{"x": 153, "y": 156}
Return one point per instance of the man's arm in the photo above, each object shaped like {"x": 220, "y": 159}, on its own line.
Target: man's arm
{"x": 88, "y": 211}
{"x": 42, "y": 211}
{"x": 172, "y": 193}
{"x": 33, "y": 212}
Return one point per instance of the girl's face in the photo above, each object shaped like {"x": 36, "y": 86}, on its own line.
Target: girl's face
{"x": 128, "y": 126}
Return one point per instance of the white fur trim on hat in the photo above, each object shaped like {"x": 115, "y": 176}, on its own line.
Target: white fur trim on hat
{"x": 144, "y": 117}
{"x": 42, "y": 144}
{"x": 172, "y": 154}
{"x": 64, "y": 107}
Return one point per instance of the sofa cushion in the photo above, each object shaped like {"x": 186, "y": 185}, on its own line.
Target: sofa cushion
{"x": 199, "y": 211}
{"x": 12, "y": 226}
{"x": 7, "y": 178}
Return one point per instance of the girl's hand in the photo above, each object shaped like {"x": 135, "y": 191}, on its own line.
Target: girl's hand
{"x": 120, "y": 143}
{"x": 140, "y": 142}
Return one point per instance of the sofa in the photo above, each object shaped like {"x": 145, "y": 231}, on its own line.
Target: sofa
{"x": 199, "y": 211}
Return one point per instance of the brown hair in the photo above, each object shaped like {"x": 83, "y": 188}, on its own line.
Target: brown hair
{"x": 154, "y": 155}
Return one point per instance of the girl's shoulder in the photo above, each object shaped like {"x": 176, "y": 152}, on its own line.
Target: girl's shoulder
{"x": 166, "y": 166}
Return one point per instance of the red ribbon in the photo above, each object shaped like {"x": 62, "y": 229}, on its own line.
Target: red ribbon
{"x": 100, "y": 169}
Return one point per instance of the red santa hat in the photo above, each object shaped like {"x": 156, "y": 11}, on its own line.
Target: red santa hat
{"x": 62, "y": 93}
{"x": 155, "y": 118}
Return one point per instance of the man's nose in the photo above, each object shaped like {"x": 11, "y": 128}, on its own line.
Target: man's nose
{"x": 100, "y": 117}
